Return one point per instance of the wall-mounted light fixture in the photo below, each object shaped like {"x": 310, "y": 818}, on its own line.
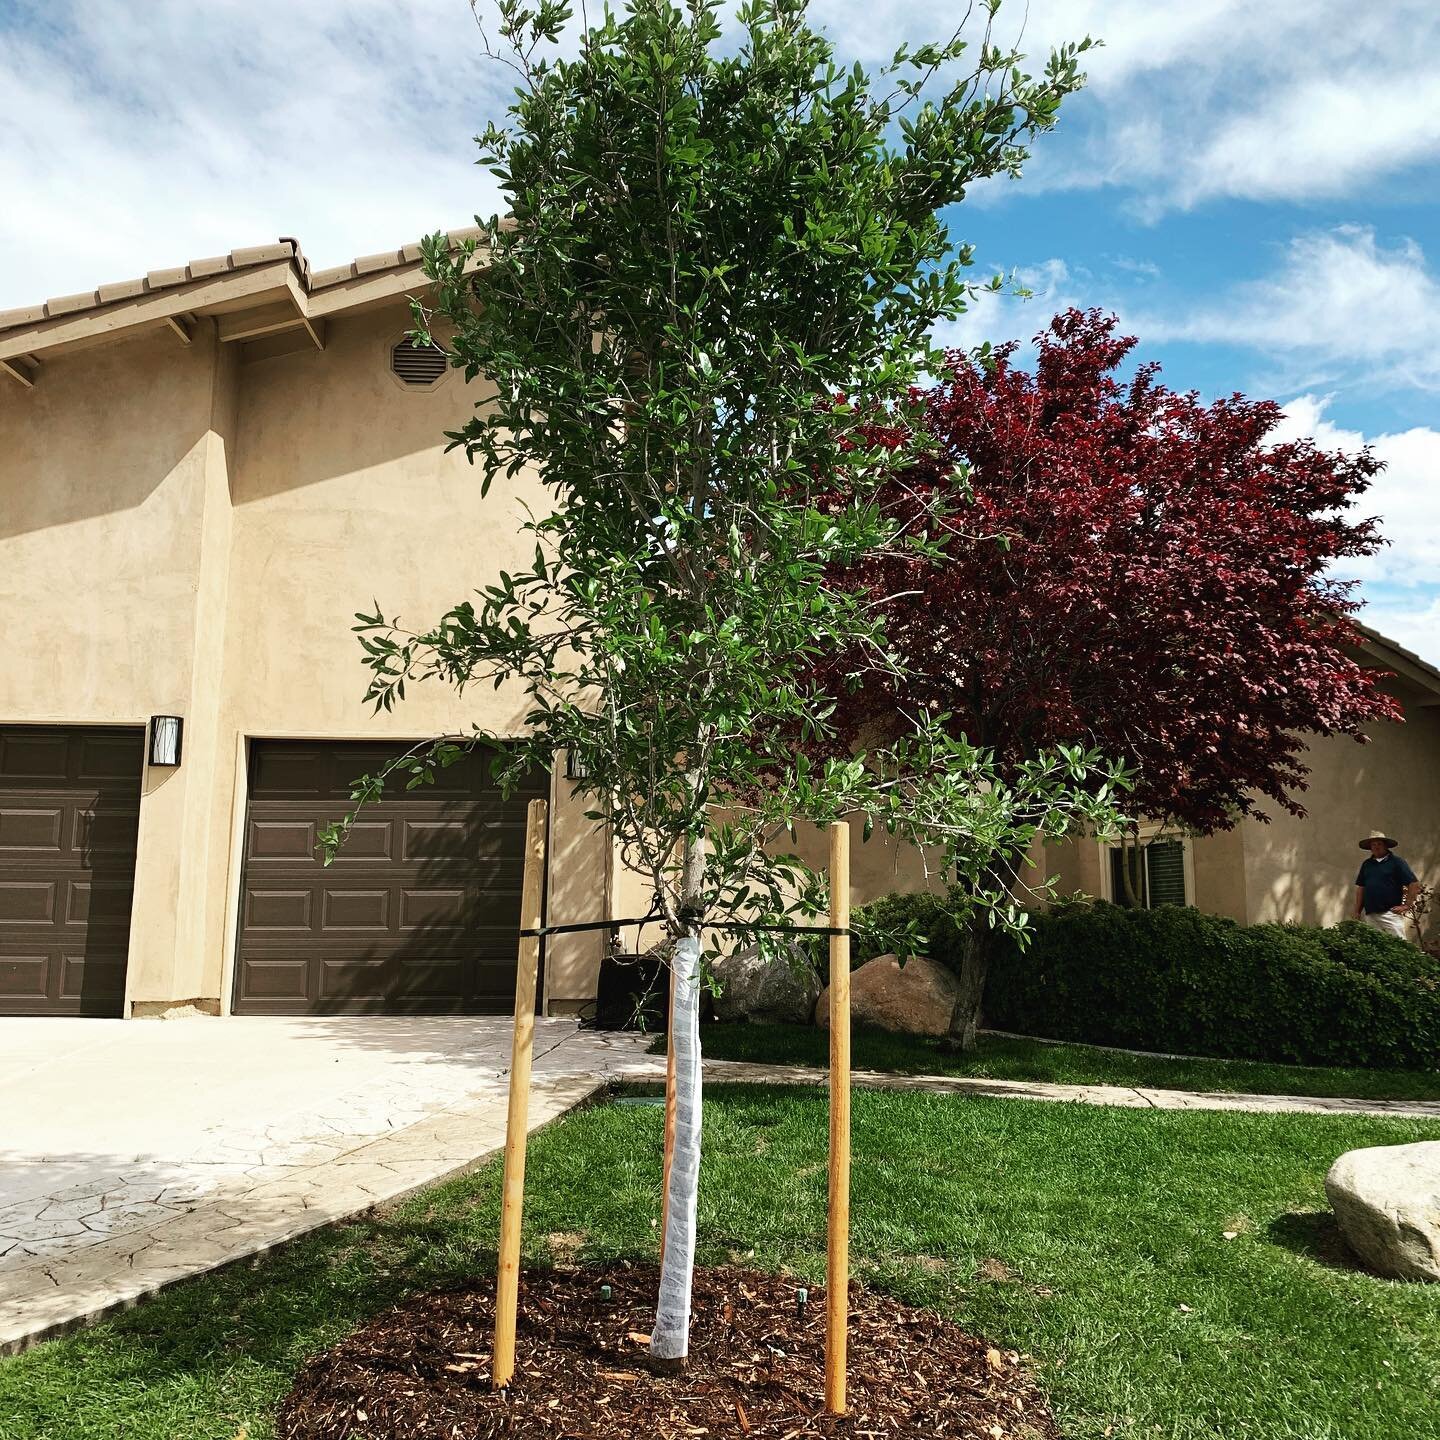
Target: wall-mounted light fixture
{"x": 165, "y": 731}
{"x": 575, "y": 767}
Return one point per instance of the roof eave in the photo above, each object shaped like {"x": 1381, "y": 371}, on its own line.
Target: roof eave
{"x": 1396, "y": 658}
{"x": 243, "y": 281}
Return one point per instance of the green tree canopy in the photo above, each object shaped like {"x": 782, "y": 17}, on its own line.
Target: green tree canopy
{"x": 719, "y": 250}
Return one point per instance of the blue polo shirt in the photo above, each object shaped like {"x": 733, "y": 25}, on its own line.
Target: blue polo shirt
{"x": 1384, "y": 882}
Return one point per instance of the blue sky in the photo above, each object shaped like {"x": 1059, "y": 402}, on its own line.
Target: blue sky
{"x": 1255, "y": 188}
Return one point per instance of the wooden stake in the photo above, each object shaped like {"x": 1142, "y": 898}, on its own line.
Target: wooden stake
{"x": 517, "y": 1120}
{"x": 837, "y": 1266}
{"x": 669, "y": 1116}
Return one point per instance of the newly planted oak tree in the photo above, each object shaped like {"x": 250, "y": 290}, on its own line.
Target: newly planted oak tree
{"x": 711, "y": 240}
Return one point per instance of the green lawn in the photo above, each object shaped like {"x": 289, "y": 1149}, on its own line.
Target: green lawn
{"x": 999, "y": 1058}
{"x": 1090, "y": 1237}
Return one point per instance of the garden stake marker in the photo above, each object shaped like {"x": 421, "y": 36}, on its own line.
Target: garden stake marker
{"x": 517, "y": 1119}
{"x": 837, "y": 1260}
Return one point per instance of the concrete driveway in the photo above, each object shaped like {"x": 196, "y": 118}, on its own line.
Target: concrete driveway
{"x": 134, "y": 1153}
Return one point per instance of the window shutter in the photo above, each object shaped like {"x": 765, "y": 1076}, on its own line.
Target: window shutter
{"x": 1165, "y": 865}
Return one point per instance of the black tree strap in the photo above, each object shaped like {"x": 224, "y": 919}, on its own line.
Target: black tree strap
{"x": 738, "y": 926}
{"x": 577, "y": 929}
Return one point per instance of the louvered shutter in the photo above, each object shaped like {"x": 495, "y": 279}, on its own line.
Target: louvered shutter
{"x": 1165, "y": 869}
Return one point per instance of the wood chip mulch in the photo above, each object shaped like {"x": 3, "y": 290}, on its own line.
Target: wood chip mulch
{"x": 422, "y": 1370}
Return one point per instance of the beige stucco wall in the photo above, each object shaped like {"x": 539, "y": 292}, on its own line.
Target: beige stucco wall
{"x": 189, "y": 530}
{"x": 186, "y": 530}
{"x": 106, "y": 471}
{"x": 1074, "y": 865}
{"x": 1220, "y": 877}
{"x": 1304, "y": 869}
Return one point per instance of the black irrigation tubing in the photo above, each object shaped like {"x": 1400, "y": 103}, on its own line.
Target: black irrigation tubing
{"x": 542, "y": 930}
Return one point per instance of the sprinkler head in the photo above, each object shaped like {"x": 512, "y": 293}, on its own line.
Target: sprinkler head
{"x": 606, "y": 1293}
{"x": 802, "y": 1299}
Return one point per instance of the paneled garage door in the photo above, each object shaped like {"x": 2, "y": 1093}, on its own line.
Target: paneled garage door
{"x": 69, "y": 814}
{"x": 419, "y": 912}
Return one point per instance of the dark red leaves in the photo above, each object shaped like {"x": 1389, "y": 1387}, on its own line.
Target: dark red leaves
{"x": 1163, "y": 593}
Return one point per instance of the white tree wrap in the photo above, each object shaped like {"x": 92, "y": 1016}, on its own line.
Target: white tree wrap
{"x": 670, "y": 1339}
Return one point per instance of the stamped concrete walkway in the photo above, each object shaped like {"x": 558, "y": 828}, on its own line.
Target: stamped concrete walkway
{"x": 134, "y": 1154}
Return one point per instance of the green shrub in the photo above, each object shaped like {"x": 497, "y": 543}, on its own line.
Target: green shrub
{"x": 1178, "y": 980}
{"x": 908, "y": 924}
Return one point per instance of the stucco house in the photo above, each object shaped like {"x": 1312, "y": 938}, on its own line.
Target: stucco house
{"x": 203, "y": 473}
{"x": 1299, "y": 870}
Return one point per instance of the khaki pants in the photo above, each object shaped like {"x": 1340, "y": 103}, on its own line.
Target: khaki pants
{"x": 1397, "y": 925}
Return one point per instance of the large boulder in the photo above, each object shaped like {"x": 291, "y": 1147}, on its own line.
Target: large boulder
{"x": 774, "y": 990}
{"x": 916, "y": 998}
{"x": 1387, "y": 1201}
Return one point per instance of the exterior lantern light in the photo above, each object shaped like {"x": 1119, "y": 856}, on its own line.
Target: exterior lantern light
{"x": 165, "y": 733}
{"x": 575, "y": 767}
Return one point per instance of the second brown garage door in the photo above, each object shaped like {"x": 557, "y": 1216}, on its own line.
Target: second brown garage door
{"x": 419, "y": 912}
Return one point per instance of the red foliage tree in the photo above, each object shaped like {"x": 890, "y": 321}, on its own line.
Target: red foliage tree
{"x": 1150, "y": 577}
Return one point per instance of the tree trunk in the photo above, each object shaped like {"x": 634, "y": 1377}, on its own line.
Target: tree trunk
{"x": 670, "y": 1338}
{"x": 1129, "y": 865}
{"x": 974, "y": 967}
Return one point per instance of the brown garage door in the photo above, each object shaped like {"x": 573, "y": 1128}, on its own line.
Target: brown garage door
{"x": 69, "y": 813}
{"x": 419, "y": 912}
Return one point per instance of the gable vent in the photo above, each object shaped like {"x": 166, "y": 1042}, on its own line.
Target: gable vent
{"x": 418, "y": 365}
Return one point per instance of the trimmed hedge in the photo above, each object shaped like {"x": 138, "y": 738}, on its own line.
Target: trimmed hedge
{"x": 922, "y": 914}
{"x": 1178, "y": 980}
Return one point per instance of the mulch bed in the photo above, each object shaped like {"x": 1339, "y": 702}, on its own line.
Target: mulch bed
{"x": 422, "y": 1370}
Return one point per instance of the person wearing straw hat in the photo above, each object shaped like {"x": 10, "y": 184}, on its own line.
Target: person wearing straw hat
{"x": 1385, "y": 888}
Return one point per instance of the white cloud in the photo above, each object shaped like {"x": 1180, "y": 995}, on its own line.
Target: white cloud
{"x": 998, "y": 316}
{"x": 1402, "y": 582}
{"x": 1194, "y": 100}
{"x": 1416, "y": 627}
{"x": 145, "y": 133}
{"x": 1340, "y": 305}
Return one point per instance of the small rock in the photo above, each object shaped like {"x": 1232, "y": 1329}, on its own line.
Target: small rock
{"x": 1387, "y": 1202}
{"x": 768, "y": 990}
{"x": 916, "y": 998}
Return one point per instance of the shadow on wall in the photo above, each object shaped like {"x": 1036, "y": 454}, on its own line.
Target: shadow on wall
{"x": 107, "y": 426}
{"x": 315, "y": 415}
{"x": 101, "y": 433}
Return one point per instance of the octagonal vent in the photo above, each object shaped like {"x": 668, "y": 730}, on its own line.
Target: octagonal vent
{"x": 419, "y": 365}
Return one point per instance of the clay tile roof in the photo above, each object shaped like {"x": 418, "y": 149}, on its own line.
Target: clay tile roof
{"x": 219, "y": 265}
